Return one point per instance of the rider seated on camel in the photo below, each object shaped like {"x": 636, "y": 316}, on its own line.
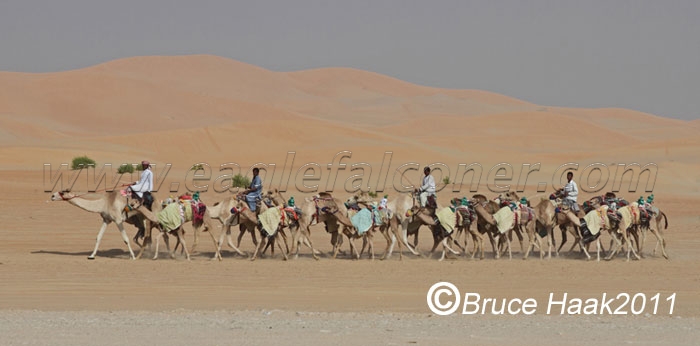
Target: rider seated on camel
{"x": 254, "y": 192}
{"x": 141, "y": 190}
{"x": 427, "y": 189}
{"x": 571, "y": 193}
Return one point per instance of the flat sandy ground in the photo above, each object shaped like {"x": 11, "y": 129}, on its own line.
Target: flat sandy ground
{"x": 51, "y": 294}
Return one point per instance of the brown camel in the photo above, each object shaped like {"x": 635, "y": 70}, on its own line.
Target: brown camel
{"x": 320, "y": 208}
{"x": 485, "y": 209}
{"x": 426, "y": 216}
{"x": 111, "y": 207}
{"x": 244, "y": 216}
{"x": 465, "y": 214}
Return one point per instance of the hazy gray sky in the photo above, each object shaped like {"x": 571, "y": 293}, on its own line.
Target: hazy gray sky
{"x": 638, "y": 54}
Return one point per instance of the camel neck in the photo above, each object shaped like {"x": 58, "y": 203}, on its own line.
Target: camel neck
{"x": 93, "y": 206}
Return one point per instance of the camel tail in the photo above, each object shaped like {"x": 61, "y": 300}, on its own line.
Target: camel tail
{"x": 665, "y": 220}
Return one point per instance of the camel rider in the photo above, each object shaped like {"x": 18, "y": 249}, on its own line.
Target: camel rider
{"x": 141, "y": 190}
{"x": 571, "y": 192}
{"x": 428, "y": 187}
{"x": 383, "y": 202}
{"x": 254, "y": 192}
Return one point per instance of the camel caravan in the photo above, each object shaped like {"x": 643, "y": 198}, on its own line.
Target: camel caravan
{"x": 286, "y": 224}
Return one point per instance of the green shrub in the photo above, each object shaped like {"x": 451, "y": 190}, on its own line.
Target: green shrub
{"x": 372, "y": 194}
{"x": 126, "y": 168}
{"x": 241, "y": 181}
{"x": 82, "y": 162}
{"x": 446, "y": 180}
{"x": 197, "y": 167}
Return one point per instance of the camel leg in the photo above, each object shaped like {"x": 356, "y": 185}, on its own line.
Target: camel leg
{"x": 478, "y": 240}
{"x": 519, "y": 234}
{"x": 309, "y": 243}
{"x": 166, "y": 240}
{"x": 550, "y": 240}
{"x": 282, "y": 250}
{"x": 284, "y": 238}
{"x": 196, "y": 240}
{"x": 617, "y": 244}
{"x": 241, "y": 232}
{"x": 530, "y": 247}
{"x": 585, "y": 250}
{"x": 510, "y": 255}
{"x": 125, "y": 237}
{"x": 217, "y": 254}
{"x": 160, "y": 234}
{"x": 659, "y": 240}
{"x": 99, "y": 239}
{"x": 494, "y": 238}
{"x": 181, "y": 237}
{"x": 410, "y": 247}
{"x": 563, "y": 239}
{"x": 388, "y": 237}
{"x": 336, "y": 244}
{"x": 353, "y": 248}
{"x": 263, "y": 241}
{"x": 443, "y": 254}
{"x": 436, "y": 241}
{"x": 364, "y": 244}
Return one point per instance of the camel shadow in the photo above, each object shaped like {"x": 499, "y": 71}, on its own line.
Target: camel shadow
{"x": 111, "y": 253}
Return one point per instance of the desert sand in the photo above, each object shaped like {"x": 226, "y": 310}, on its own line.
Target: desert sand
{"x": 192, "y": 109}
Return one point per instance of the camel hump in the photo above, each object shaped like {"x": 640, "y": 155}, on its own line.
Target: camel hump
{"x": 325, "y": 195}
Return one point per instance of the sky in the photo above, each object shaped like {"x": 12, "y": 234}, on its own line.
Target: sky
{"x": 639, "y": 54}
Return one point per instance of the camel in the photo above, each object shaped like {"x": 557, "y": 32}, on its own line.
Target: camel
{"x": 545, "y": 221}
{"x": 426, "y": 216}
{"x": 390, "y": 223}
{"x": 612, "y": 222}
{"x": 486, "y": 225}
{"x": 658, "y": 233}
{"x": 204, "y": 226}
{"x": 111, "y": 207}
{"x": 660, "y": 240}
{"x": 320, "y": 208}
{"x": 635, "y": 226}
{"x": 388, "y": 226}
{"x": 400, "y": 206}
{"x": 574, "y": 219}
{"x": 565, "y": 226}
{"x": 221, "y": 211}
{"x": 244, "y": 216}
{"x": 463, "y": 230}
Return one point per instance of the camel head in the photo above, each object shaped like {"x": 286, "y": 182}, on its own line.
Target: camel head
{"x": 359, "y": 198}
{"x": 510, "y": 196}
{"x": 275, "y": 197}
{"x": 480, "y": 198}
{"x": 62, "y": 195}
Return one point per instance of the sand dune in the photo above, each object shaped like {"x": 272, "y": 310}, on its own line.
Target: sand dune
{"x": 203, "y": 108}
